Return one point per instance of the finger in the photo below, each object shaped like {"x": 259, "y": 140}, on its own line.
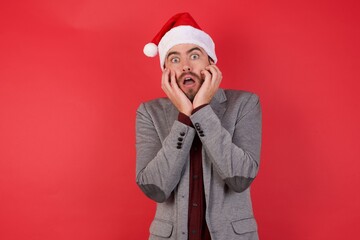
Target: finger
{"x": 220, "y": 76}
{"x": 174, "y": 86}
{"x": 165, "y": 85}
{"x": 218, "y": 70}
{"x": 213, "y": 72}
{"x": 217, "y": 75}
{"x": 165, "y": 75}
{"x": 206, "y": 74}
{"x": 173, "y": 79}
{"x": 207, "y": 80}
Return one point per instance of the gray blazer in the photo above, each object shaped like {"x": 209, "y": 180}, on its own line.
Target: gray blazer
{"x": 230, "y": 131}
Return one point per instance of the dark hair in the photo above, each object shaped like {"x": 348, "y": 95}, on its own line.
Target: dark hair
{"x": 210, "y": 59}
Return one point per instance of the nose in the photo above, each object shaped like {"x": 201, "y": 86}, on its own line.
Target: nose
{"x": 186, "y": 68}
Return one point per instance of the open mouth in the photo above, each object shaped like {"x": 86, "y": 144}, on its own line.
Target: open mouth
{"x": 188, "y": 81}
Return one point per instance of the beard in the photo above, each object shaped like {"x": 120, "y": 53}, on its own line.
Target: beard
{"x": 191, "y": 93}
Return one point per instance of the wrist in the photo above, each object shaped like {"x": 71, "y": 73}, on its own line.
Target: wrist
{"x": 199, "y": 104}
{"x": 186, "y": 110}
{"x": 187, "y": 113}
{"x": 198, "y": 108}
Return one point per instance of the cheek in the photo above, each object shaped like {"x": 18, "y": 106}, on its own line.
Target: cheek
{"x": 201, "y": 66}
{"x": 172, "y": 67}
{"x": 176, "y": 71}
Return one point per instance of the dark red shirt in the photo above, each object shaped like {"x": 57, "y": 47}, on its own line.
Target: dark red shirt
{"x": 197, "y": 227}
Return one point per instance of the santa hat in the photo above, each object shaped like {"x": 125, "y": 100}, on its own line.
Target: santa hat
{"x": 179, "y": 29}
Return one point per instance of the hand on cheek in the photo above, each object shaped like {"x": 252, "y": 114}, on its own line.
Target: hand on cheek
{"x": 174, "y": 93}
{"x": 212, "y": 79}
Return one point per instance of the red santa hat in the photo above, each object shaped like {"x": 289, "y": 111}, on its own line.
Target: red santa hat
{"x": 179, "y": 29}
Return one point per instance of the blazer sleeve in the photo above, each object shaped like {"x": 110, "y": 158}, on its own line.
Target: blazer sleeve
{"x": 236, "y": 156}
{"x": 160, "y": 163}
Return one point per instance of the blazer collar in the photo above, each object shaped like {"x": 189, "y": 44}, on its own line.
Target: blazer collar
{"x": 217, "y": 103}
{"x": 219, "y": 96}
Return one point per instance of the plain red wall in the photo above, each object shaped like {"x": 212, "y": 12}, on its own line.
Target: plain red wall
{"x": 72, "y": 74}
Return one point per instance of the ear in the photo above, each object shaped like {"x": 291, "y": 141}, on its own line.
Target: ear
{"x": 211, "y": 61}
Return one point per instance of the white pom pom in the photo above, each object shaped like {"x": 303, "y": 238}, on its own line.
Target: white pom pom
{"x": 150, "y": 50}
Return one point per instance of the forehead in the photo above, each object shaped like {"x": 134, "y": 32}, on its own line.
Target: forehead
{"x": 184, "y": 48}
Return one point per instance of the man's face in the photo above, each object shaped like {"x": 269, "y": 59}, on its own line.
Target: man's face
{"x": 187, "y": 61}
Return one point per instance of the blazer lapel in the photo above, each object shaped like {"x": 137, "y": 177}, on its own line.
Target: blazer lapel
{"x": 171, "y": 114}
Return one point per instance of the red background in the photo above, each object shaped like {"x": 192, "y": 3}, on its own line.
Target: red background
{"x": 72, "y": 74}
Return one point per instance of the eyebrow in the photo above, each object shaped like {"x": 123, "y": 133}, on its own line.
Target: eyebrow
{"x": 187, "y": 52}
{"x": 193, "y": 49}
{"x": 172, "y": 53}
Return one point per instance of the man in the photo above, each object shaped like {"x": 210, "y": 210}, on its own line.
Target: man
{"x": 198, "y": 150}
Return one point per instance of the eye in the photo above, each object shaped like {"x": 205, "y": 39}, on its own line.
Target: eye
{"x": 175, "y": 60}
{"x": 194, "y": 56}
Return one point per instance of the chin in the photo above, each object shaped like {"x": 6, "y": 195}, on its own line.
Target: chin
{"x": 191, "y": 94}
